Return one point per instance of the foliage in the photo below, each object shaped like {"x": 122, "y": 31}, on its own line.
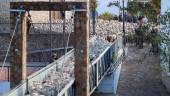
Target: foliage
{"x": 155, "y": 38}
{"x": 156, "y": 5}
{"x": 145, "y": 9}
{"x": 130, "y": 38}
{"x": 133, "y": 8}
{"x": 117, "y": 4}
{"x": 93, "y": 5}
{"x": 106, "y": 16}
{"x": 148, "y": 37}
{"x": 149, "y": 9}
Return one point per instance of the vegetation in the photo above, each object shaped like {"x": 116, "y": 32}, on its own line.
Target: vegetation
{"x": 93, "y": 5}
{"x": 156, "y": 5}
{"x": 107, "y": 16}
{"x": 117, "y": 4}
{"x": 150, "y": 10}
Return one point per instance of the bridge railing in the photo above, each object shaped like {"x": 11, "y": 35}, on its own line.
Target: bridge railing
{"x": 39, "y": 76}
{"x": 98, "y": 70}
{"x": 100, "y": 67}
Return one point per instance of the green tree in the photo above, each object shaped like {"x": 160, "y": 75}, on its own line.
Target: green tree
{"x": 156, "y": 5}
{"x": 93, "y": 5}
{"x": 148, "y": 9}
{"x": 106, "y": 16}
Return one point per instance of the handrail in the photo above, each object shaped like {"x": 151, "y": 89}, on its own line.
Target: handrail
{"x": 98, "y": 58}
{"x": 51, "y": 65}
{"x": 66, "y": 87}
{"x": 23, "y": 82}
{"x": 45, "y": 71}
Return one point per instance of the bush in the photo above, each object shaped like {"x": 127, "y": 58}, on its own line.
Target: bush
{"x": 107, "y": 16}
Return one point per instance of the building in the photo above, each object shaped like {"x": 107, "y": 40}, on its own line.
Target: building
{"x": 4, "y": 16}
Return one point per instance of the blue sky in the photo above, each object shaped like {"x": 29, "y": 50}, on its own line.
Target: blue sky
{"x": 103, "y": 6}
{"x": 165, "y": 5}
{"x": 114, "y": 10}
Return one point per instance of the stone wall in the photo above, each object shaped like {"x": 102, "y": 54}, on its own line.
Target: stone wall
{"x": 38, "y": 42}
{"x": 41, "y": 31}
{"x": 104, "y": 28}
{"x": 39, "y": 37}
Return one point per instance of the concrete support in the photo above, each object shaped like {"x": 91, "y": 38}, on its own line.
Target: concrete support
{"x": 18, "y": 51}
{"x": 81, "y": 30}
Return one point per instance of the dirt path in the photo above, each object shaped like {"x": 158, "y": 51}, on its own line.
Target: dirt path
{"x": 140, "y": 75}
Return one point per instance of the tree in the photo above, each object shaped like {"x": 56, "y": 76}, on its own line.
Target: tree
{"x": 148, "y": 9}
{"x": 93, "y": 5}
{"x": 106, "y": 16}
{"x": 156, "y": 5}
{"x": 117, "y": 4}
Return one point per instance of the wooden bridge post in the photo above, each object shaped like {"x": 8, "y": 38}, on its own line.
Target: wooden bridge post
{"x": 81, "y": 30}
{"x": 24, "y": 46}
{"x": 18, "y": 65}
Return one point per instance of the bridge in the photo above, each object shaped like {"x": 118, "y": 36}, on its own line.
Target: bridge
{"x": 52, "y": 80}
{"x": 79, "y": 71}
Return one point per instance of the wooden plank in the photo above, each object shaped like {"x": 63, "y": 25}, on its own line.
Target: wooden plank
{"x": 24, "y": 46}
{"x": 46, "y": 6}
{"x": 81, "y": 30}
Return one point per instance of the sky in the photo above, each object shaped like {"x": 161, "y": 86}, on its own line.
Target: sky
{"x": 114, "y": 10}
{"x": 165, "y": 5}
{"x": 103, "y": 7}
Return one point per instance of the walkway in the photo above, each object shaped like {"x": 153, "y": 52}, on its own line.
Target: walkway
{"x": 140, "y": 75}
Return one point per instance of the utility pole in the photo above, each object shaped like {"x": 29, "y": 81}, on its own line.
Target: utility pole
{"x": 63, "y": 14}
{"x": 50, "y": 32}
{"x": 94, "y": 21}
{"x": 124, "y": 37}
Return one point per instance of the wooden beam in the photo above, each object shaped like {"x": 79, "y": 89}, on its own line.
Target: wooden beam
{"x": 48, "y": 6}
{"x": 24, "y": 46}
{"x": 18, "y": 51}
{"x": 81, "y": 30}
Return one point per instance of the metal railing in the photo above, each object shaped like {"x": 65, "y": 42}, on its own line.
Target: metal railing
{"x": 98, "y": 70}
{"x": 40, "y": 75}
